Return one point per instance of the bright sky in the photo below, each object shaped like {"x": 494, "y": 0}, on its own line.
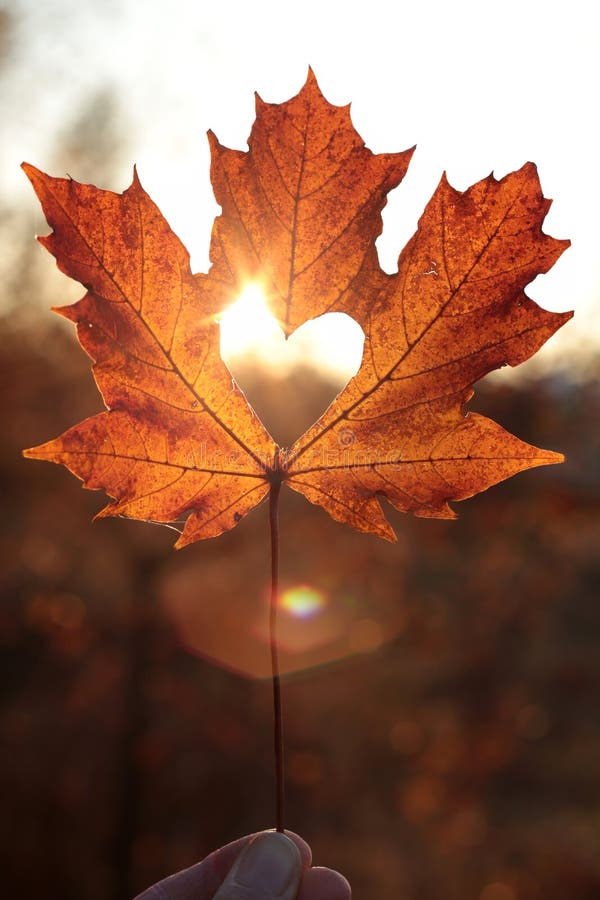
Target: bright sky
{"x": 477, "y": 86}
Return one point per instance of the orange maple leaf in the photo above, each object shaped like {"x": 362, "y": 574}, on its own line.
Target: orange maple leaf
{"x": 300, "y": 214}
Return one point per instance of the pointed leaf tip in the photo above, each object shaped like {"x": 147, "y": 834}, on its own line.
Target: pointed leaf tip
{"x": 29, "y": 169}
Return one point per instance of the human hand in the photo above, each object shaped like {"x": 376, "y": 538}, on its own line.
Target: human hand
{"x": 264, "y": 866}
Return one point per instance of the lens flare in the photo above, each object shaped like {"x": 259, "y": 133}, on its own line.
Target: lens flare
{"x": 302, "y": 601}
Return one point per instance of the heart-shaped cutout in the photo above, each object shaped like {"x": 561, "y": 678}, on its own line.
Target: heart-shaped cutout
{"x": 288, "y": 382}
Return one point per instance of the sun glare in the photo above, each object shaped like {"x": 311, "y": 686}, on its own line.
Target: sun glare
{"x": 332, "y": 343}
{"x": 303, "y": 602}
{"x": 248, "y": 327}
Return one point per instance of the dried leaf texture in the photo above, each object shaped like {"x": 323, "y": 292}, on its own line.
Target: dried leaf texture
{"x": 179, "y": 436}
{"x": 301, "y": 211}
{"x": 302, "y": 208}
{"x": 455, "y": 311}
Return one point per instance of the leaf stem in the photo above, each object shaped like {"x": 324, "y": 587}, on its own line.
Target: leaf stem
{"x": 277, "y": 714}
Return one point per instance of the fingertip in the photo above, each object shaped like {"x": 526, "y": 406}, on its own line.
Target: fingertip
{"x": 269, "y": 866}
{"x": 320, "y": 883}
{"x": 303, "y": 847}
{"x": 220, "y": 861}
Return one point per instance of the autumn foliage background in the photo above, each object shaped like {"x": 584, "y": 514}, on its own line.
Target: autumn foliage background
{"x": 457, "y": 759}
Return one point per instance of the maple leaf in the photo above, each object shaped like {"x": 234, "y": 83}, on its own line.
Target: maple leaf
{"x": 301, "y": 210}
{"x": 179, "y": 436}
{"x": 454, "y": 311}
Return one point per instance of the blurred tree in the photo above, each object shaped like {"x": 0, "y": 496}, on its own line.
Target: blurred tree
{"x": 5, "y": 32}
{"x": 92, "y": 146}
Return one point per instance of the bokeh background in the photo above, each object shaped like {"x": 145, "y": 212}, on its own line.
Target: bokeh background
{"x": 442, "y": 727}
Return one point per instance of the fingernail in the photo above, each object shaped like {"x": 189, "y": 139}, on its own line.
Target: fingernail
{"x": 270, "y": 864}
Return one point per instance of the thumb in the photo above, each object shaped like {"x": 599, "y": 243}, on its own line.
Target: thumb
{"x": 269, "y": 868}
